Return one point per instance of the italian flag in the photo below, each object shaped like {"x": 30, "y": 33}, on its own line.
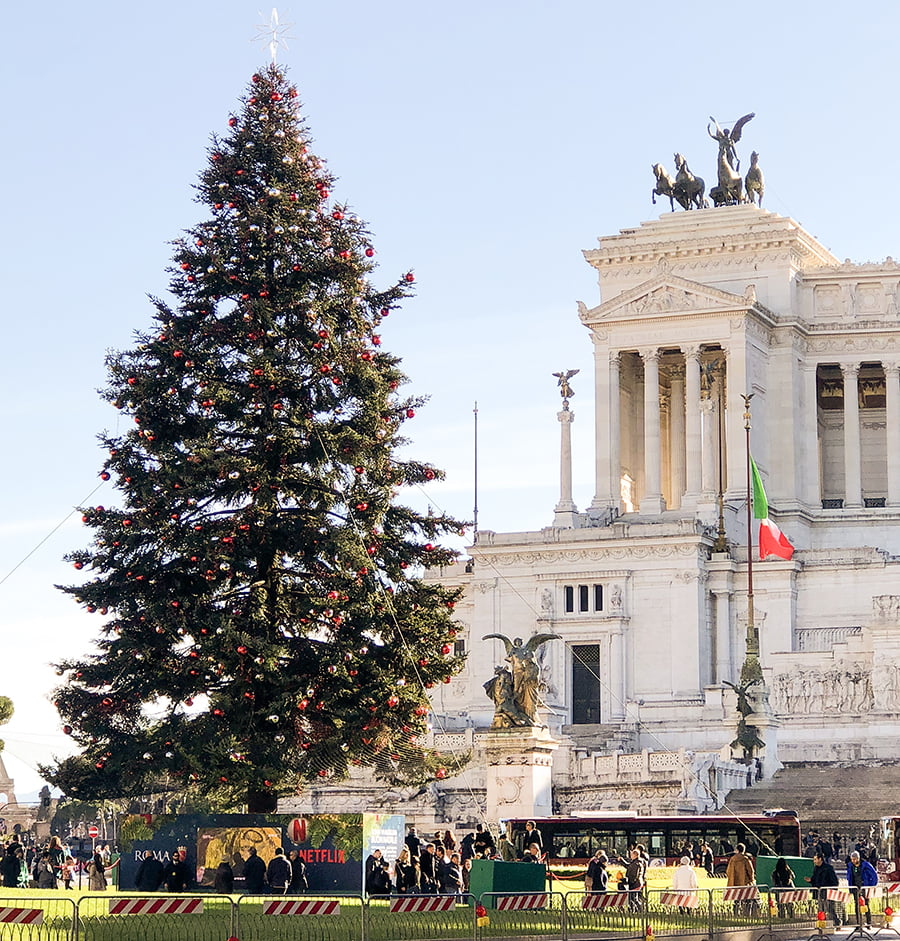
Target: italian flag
{"x": 772, "y": 541}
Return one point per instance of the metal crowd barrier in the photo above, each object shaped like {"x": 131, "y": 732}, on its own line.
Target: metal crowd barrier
{"x": 154, "y": 917}
{"x": 299, "y": 918}
{"x": 412, "y": 917}
{"x": 522, "y": 914}
{"x": 575, "y": 916}
{"x": 38, "y": 918}
{"x": 599, "y": 913}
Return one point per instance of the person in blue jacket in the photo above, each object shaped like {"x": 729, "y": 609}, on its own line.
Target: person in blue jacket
{"x": 861, "y": 876}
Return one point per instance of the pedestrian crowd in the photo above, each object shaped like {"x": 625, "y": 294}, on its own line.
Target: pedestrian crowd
{"x": 52, "y": 866}
{"x": 441, "y": 865}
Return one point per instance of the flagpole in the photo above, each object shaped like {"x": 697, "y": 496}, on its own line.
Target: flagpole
{"x": 751, "y": 670}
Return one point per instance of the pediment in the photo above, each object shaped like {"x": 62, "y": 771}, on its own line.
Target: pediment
{"x": 667, "y": 294}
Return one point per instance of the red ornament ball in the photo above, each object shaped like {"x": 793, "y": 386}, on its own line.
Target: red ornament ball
{"x": 410, "y": 277}
{"x": 441, "y": 773}
{"x": 370, "y": 252}
{"x": 446, "y": 649}
{"x": 410, "y": 413}
{"x": 79, "y": 565}
{"x": 104, "y": 475}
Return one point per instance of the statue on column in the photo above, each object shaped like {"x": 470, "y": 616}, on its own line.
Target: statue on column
{"x": 565, "y": 389}
{"x": 515, "y": 693}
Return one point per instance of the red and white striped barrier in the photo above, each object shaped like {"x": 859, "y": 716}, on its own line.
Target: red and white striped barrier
{"x": 422, "y": 903}
{"x": 792, "y": 895}
{"x": 681, "y": 899}
{"x": 521, "y": 903}
{"x": 837, "y": 895}
{"x": 740, "y": 893}
{"x": 302, "y": 907}
{"x": 168, "y": 906}
{"x": 604, "y": 900}
{"x": 21, "y": 916}
{"x": 892, "y": 888}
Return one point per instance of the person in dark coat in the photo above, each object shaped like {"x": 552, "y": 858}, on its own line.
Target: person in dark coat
{"x": 428, "y": 870}
{"x": 278, "y": 873}
{"x": 299, "y": 882}
{"x": 10, "y": 869}
{"x": 150, "y": 873}
{"x": 824, "y": 877}
{"x": 177, "y": 874}
{"x": 254, "y": 873}
{"x": 224, "y": 879}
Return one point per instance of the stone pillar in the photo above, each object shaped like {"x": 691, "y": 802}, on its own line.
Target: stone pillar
{"x": 651, "y": 501}
{"x": 736, "y": 383}
{"x": 710, "y": 444}
{"x": 852, "y": 468}
{"x": 564, "y": 516}
{"x": 892, "y": 384}
{"x": 617, "y": 675}
{"x": 724, "y": 653}
{"x": 692, "y": 440}
{"x": 602, "y": 430}
{"x": 676, "y": 440}
{"x": 810, "y": 429}
{"x": 615, "y": 432}
{"x": 519, "y": 767}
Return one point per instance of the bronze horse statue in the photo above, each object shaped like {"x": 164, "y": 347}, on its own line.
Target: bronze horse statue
{"x": 729, "y": 192}
{"x": 665, "y": 185}
{"x": 689, "y": 189}
{"x": 754, "y": 183}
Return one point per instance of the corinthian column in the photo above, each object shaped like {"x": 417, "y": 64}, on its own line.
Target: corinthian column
{"x": 852, "y": 470}
{"x": 652, "y": 501}
{"x": 892, "y": 420}
{"x": 692, "y": 446}
{"x": 564, "y": 515}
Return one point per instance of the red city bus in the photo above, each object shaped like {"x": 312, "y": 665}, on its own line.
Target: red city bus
{"x": 573, "y": 840}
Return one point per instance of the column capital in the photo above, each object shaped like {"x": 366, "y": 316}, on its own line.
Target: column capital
{"x": 691, "y": 352}
{"x": 649, "y": 354}
{"x": 849, "y": 370}
{"x": 615, "y": 358}
{"x": 891, "y": 369}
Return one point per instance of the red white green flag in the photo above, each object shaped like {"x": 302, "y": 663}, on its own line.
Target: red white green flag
{"x": 772, "y": 541}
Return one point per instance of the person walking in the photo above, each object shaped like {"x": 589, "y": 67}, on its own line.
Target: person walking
{"x": 299, "y": 882}
{"x": 783, "y": 878}
{"x": 861, "y": 878}
{"x": 278, "y": 873}
{"x": 150, "y": 873}
{"x": 177, "y": 875}
{"x": 822, "y": 879}
{"x": 740, "y": 872}
{"x": 684, "y": 879}
{"x": 97, "y": 874}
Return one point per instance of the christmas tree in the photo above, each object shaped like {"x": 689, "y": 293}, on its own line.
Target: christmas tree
{"x": 266, "y": 620}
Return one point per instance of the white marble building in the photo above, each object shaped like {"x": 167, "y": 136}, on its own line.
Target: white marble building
{"x": 696, "y": 309}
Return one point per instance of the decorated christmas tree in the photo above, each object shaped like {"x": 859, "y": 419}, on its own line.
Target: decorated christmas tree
{"x": 264, "y": 617}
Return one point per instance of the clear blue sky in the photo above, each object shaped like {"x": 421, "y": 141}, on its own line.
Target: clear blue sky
{"x": 486, "y": 143}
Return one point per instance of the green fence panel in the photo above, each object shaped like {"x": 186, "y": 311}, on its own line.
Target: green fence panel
{"x": 420, "y": 917}
{"x": 522, "y": 914}
{"x": 155, "y": 917}
{"x": 27, "y": 917}
{"x": 299, "y": 918}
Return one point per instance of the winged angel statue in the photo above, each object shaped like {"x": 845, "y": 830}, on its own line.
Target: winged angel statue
{"x": 515, "y": 693}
